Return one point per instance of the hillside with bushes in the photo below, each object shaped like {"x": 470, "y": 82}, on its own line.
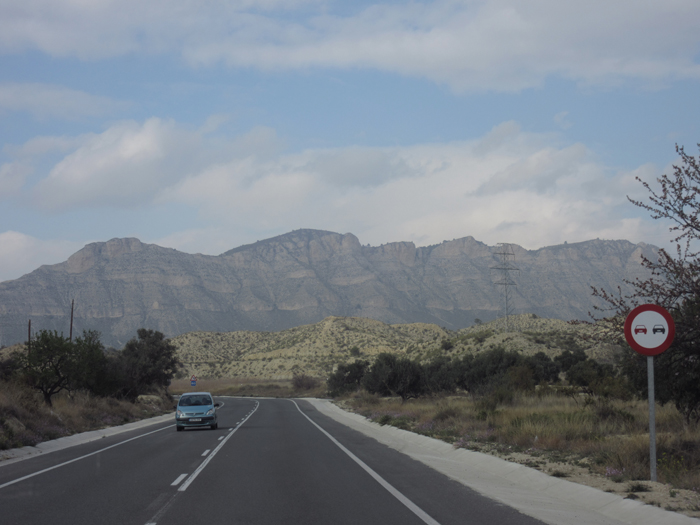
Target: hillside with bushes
{"x": 318, "y": 349}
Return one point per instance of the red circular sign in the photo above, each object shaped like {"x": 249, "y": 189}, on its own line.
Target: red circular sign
{"x": 649, "y": 329}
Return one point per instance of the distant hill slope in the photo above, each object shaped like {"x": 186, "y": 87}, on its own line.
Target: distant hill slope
{"x": 316, "y": 349}
{"x": 303, "y": 277}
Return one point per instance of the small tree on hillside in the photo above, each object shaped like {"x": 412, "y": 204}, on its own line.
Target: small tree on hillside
{"x": 378, "y": 379}
{"x": 346, "y": 378}
{"x": 90, "y": 364}
{"x": 409, "y": 379}
{"x": 147, "y": 362}
{"x": 49, "y": 364}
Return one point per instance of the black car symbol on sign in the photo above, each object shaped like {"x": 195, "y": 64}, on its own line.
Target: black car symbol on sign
{"x": 658, "y": 328}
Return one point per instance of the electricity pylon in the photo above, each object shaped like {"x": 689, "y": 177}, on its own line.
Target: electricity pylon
{"x": 505, "y": 267}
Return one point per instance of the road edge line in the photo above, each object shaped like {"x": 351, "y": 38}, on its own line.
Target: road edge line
{"x": 420, "y": 513}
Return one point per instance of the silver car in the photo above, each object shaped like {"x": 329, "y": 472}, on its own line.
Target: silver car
{"x": 196, "y": 409}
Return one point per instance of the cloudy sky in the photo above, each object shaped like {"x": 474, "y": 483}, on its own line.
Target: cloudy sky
{"x": 202, "y": 126}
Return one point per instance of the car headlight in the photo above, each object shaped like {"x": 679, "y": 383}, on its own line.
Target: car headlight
{"x": 180, "y": 413}
{"x": 210, "y": 411}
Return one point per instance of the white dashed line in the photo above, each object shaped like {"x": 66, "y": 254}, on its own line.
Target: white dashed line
{"x": 206, "y": 452}
{"x": 192, "y": 477}
{"x": 178, "y": 480}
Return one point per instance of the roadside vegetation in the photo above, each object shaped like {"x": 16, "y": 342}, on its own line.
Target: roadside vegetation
{"x": 601, "y": 442}
{"x": 590, "y": 413}
{"x": 54, "y": 387}
{"x": 25, "y": 420}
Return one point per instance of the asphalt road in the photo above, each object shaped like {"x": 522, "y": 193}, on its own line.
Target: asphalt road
{"x": 270, "y": 461}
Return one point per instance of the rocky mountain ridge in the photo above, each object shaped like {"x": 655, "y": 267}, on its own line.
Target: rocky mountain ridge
{"x": 303, "y": 277}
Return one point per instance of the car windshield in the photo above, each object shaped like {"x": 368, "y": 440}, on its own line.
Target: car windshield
{"x": 190, "y": 401}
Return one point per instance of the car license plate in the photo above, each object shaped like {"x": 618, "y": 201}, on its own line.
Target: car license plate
{"x": 195, "y": 419}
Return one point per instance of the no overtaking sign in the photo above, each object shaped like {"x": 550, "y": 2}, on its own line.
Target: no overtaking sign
{"x": 649, "y": 329}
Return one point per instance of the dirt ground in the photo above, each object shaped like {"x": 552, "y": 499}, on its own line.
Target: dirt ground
{"x": 576, "y": 470}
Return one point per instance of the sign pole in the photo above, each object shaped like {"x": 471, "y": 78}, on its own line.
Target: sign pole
{"x": 649, "y": 330}
{"x": 652, "y": 418}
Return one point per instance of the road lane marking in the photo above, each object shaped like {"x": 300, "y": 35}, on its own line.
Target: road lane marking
{"x": 206, "y": 452}
{"x": 222, "y": 437}
{"x": 390, "y": 488}
{"x": 201, "y": 467}
{"x": 78, "y": 459}
{"x": 178, "y": 480}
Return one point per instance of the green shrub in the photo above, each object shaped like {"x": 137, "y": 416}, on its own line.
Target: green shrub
{"x": 304, "y": 382}
{"x": 390, "y": 375}
{"x": 567, "y": 359}
{"x": 346, "y": 378}
{"x": 441, "y": 375}
{"x": 544, "y": 369}
{"x": 486, "y": 367}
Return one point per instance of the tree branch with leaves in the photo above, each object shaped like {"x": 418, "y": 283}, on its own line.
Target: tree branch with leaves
{"x": 674, "y": 284}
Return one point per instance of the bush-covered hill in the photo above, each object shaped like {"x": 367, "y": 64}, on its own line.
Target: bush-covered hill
{"x": 317, "y": 349}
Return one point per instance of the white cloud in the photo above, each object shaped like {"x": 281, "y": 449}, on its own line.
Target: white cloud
{"x": 22, "y": 253}
{"x": 12, "y": 177}
{"x": 510, "y": 186}
{"x": 561, "y": 120}
{"x": 507, "y": 186}
{"x": 130, "y": 163}
{"x": 123, "y": 166}
{"x": 39, "y": 146}
{"x": 44, "y": 101}
{"x": 505, "y": 45}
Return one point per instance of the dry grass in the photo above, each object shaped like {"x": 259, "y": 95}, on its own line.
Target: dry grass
{"x": 26, "y": 421}
{"x": 609, "y": 437}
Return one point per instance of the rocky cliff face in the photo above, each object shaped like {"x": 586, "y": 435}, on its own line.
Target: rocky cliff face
{"x": 303, "y": 277}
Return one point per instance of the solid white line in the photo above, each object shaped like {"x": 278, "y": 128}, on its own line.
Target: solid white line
{"x": 200, "y": 468}
{"x": 178, "y": 480}
{"x": 78, "y": 459}
{"x": 394, "y": 492}
{"x": 206, "y": 452}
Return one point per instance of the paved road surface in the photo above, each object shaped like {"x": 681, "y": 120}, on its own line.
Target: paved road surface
{"x": 271, "y": 461}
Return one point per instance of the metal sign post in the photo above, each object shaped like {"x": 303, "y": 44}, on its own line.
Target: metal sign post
{"x": 649, "y": 330}
{"x": 652, "y": 417}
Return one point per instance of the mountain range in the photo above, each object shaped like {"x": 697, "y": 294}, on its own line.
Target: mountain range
{"x": 305, "y": 276}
